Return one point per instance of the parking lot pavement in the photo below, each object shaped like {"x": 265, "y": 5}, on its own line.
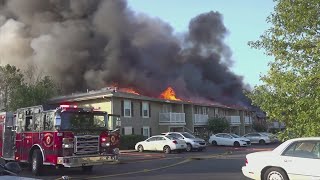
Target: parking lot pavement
{"x": 215, "y": 161}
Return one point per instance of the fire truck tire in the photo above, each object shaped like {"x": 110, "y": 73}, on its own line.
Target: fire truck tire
{"x": 87, "y": 168}
{"x": 36, "y": 162}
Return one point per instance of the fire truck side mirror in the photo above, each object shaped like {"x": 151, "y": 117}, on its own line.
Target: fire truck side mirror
{"x": 106, "y": 120}
{"x": 57, "y": 122}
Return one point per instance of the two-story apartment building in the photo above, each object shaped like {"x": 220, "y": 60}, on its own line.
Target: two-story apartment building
{"x": 149, "y": 116}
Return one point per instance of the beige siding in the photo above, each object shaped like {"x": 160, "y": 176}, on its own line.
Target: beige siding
{"x": 137, "y": 121}
{"x": 101, "y": 104}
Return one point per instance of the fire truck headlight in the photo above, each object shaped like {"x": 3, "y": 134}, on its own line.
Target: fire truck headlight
{"x": 66, "y": 146}
{"x": 105, "y": 144}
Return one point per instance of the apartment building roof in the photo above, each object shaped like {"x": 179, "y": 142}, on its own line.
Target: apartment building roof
{"x": 113, "y": 92}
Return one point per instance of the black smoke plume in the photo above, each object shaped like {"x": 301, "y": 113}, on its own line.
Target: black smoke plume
{"x": 90, "y": 44}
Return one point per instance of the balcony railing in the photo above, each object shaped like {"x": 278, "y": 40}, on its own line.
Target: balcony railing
{"x": 172, "y": 118}
{"x": 233, "y": 120}
{"x": 201, "y": 119}
{"x": 247, "y": 120}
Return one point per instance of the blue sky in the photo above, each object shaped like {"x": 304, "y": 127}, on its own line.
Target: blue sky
{"x": 245, "y": 20}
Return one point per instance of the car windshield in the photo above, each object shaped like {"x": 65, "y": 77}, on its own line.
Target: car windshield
{"x": 187, "y": 135}
{"x": 81, "y": 120}
{"x": 234, "y": 135}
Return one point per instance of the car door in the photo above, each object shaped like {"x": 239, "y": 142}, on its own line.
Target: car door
{"x": 160, "y": 143}
{"x": 255, "y": 137}
{"x": 228, "y": 140}
{"x": 149, "y": 144}
{"x": 219, "y": 138}
{"x": 250, "y": 137}
{"x": 301, "y": 160}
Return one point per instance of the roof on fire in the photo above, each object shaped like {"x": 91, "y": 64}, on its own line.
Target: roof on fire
{"x": 112, "y": 92}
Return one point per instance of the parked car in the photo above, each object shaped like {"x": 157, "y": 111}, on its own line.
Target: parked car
{"x": 274, "y": 138}
{"x": 228, "y": 139}
{"x": 260, "y": 138}
{"x": 294, "y": 159}
{"x": 191, "y": 141}
{"x": 161, "y": 143}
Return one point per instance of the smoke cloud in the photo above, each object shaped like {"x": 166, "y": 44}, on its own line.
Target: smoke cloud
{"x": 90, "y": 44}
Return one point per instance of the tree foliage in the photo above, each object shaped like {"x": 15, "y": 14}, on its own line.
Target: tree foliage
{"x": 291, "y": 89}
{"x": 218, "y": 125}
{"x": 18, "y": 91}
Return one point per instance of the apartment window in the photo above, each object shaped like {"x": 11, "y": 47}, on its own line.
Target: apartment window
{"x": 128, "y": 130}
{"x": 146, "y": 131}
{"x": 127, "y": 108}
{"x": 145, "y": 109}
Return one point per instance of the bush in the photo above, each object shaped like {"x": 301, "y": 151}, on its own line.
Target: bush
{"x": 129, "y": 141}
{"x": 218, "y": 125}
{"x": 259, "y": 127}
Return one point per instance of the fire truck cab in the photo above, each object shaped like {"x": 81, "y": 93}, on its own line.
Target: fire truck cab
{"x": 63, "y": 136}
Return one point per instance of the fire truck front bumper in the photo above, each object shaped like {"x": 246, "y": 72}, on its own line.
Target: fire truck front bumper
{"x": 78, "y": 161}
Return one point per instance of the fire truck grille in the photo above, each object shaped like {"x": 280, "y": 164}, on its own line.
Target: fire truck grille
{"x": 86, "y": 144}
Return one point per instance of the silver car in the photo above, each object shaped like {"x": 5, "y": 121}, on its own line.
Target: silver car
{"x": 259, "y": 138}
{"x": 191, "y": 140}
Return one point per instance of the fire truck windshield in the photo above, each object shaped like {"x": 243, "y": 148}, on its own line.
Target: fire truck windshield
{"x": 82, "y": 120}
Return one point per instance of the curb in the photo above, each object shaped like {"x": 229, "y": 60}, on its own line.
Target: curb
{"x": 127, "y": 151}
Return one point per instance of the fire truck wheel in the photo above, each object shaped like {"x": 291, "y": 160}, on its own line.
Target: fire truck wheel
{"x": 87, "y": 168}
{"x": 36, "y": 162}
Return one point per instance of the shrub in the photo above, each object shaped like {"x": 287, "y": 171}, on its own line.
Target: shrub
{"x": 259, "y": 127}
{"x": 218, "y": 125}
{"x": 129, "y": 141}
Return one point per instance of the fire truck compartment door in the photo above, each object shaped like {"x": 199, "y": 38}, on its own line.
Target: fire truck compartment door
{"x": 9, "y": 137}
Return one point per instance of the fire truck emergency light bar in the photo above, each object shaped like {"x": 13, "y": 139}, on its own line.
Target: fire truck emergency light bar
{"x": 68, "y": 106}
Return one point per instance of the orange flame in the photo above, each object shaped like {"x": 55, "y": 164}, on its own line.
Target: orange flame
{"x": 169, "y": 94}
{"x": 129, "y": 90}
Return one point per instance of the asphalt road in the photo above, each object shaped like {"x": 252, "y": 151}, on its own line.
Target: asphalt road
{"x": 214, "y": 163}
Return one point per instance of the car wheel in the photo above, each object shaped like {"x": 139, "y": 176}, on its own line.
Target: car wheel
{"x": 189, "y": 148}
{"x": 275, "y": 174}
{"x": 140, "y": 148}
{"x": 236, "y": 144}
{"x": 167, "y": 149}
{"x": 214, "y": 143}
{"x": 262, "y": 142}
{"x": 36, "y": 162}
{"x": 87, "y": 168}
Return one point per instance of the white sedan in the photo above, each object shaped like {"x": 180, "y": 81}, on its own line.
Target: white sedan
{"x": 295, "y": 159}
{"x": 161, "y": 143}
{"x": 228, "y": 139}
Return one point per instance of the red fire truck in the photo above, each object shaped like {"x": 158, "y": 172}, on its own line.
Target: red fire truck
{"x": 64, "y": 136}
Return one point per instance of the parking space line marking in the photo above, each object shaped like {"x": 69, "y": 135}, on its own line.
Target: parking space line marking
{"x": 154, "y": 169}
{"x": 133, "y": 172}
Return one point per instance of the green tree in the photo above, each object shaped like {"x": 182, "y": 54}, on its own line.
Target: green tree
{"x": 218, "y": 125}
{"x": 10, "y": 79}
{"x": 291, "y": 89}
{"x": 31, "y": 94}
{"x": 21, "y": 89}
